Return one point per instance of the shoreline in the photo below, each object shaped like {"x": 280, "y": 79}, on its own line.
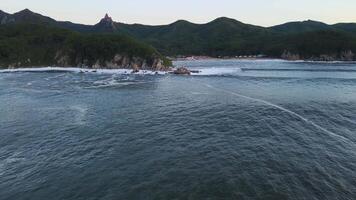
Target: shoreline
{"x": 198, "y": 58}
{"x": 83, "y": 70}
{"x": 263, "y": 59}
{"x": 149, "y": 72}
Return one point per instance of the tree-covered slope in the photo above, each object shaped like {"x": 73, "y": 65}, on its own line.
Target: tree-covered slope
{"x": 221, "y": 37}
{"x": 315, "y": 45}
{"x": 228, "y": 37}
{"x": 40, "y": 45}
{"x": 300, "y": 27}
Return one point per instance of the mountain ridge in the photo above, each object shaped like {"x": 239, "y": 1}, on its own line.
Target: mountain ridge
{"x": 26, "y": 10}
{"x": 221, "y": 37}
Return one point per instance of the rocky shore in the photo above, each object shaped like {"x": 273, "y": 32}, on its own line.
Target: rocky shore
{"x": 342, "y": 56}
{"x": 119, "y": 61}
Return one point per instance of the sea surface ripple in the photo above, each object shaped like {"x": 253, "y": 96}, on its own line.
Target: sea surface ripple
{"x": 239, "y": 129}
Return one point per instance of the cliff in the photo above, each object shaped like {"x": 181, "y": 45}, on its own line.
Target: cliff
{"x": 118, "y": 61}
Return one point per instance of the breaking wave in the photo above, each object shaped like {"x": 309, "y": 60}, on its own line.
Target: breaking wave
{"x": 82, "y": 70}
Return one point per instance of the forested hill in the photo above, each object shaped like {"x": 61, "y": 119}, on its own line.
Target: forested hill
{"x": 223, "y": 37}
{"x": 30, "y": 45}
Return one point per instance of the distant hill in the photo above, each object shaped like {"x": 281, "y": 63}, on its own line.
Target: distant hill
{"x": 300, "y": 27}
{"x": 27, "y": 16}
{"x": 222, "y": 37}
{"x": 348, "y": 27}
{"x": 309, "y": 26}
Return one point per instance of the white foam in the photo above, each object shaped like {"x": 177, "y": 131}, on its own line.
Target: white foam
{"x": 83, "y": 70}
{"x": 80, "y": 113}
{"x": 41, "y": 69}
{"x": 321, "y": 62}
{"x": 285, "y": 110}
{"x": 202, "y": 71}
{"x": 114, "y": 83}
{"x": 217, "y": 71}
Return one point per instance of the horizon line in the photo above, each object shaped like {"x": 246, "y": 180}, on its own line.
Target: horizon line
{"x": 207, "y": 22}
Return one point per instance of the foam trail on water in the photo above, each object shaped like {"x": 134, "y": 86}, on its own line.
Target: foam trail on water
{"x": 283, "y": 109}
{"x": 212, "y": 71}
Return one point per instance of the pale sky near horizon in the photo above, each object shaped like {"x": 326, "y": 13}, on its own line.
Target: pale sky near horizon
{"x": 154, "y": 12}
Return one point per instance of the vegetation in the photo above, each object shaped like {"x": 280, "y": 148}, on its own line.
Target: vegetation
{"x": 40, "y": 45}
{"x": 313, "y": 44}
{"x": 228, "y": 37}
{"x": 221, "y": 37}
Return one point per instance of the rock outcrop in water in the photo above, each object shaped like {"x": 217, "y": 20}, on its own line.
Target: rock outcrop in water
{"x": 182, "y": 71}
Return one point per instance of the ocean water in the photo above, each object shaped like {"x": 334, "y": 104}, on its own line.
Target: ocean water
{"x": 240, "y": 129}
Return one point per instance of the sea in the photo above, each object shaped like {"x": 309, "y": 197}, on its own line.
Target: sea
{"x": 238, "y": 129}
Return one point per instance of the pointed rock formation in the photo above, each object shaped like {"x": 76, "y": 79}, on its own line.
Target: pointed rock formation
{"x": 106, "y": 25}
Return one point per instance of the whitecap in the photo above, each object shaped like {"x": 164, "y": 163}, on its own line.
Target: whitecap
{"x": 114, "y": 83}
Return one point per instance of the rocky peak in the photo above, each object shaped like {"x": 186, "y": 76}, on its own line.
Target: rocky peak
{"x": 106, "y": 24}
{"x": 25, "y": 12}
{"x": 107, "y": 18}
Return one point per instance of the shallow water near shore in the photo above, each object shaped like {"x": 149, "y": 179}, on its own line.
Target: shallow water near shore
{"x": 240, "y": 129}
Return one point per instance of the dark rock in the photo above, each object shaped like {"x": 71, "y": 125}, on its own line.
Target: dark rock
{"x": 287, "y": 55}
{"x": 347, "y": 56}
{"x": 134, "y": 71}
{"x": 195, "y": 71}
{"x": 182, "y": 71}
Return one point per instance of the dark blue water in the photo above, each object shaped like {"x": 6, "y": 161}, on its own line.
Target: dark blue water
{"x": 239, "y": 130}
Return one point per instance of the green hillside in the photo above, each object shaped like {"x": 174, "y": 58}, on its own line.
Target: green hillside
{"x": 39, "y": 45}
{"x": 221, "y": 37}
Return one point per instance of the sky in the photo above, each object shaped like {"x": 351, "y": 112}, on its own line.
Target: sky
{"x": 156, "y": 12}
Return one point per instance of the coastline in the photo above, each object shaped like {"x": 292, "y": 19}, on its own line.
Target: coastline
{"x": 198, "y": 58}
{"x": 146, "y": 71}
{"x": 83, "y": 70}
{"x": 179, "y": 68}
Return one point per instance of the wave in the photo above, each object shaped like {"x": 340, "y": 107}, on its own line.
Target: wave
{"x": 82, "y": 70}
{"x": 113, "y": 82}
{"x": 320, "y": 62}
{"x": 216, "y": 71}
{"x": 198, "y": 71}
